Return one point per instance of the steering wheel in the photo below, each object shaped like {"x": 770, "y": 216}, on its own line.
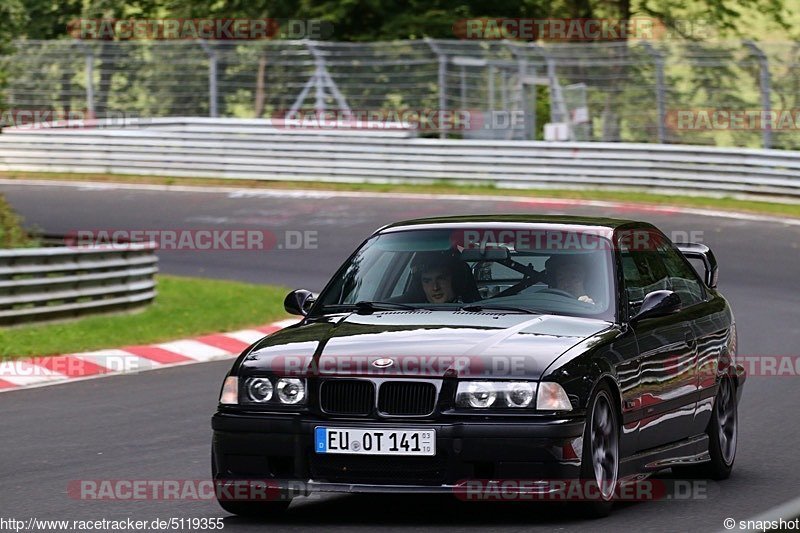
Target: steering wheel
{"x": 559, "y": 292}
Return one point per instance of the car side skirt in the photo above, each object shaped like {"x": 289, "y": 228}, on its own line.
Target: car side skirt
{"x": 685, "y": 452}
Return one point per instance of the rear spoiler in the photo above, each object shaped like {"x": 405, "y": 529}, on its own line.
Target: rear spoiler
{"x": 693, "y": 250}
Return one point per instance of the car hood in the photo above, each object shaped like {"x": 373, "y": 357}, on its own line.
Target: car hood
{"x": 421, "y": 343}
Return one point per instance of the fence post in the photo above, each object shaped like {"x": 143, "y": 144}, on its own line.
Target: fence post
{"x": 320, "y": 73}
{"x": 442, "y": 79}
{"x": 321, "y": 81}
{"x": 89, "y": 72}
{"x": 490, "y": 75}
{"x": 522, "y": 75}
{"x": 558, "y": 107}
{"x": 658, "y": 60}
{"x": 463, "y": 87}
{"x": 765, "y": 87}
{"x": 212, "y": 78}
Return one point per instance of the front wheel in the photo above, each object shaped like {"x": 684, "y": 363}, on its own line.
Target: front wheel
{"x": 600, "y": 458}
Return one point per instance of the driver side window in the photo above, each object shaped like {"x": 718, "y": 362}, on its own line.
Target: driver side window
{"x": 644, "y": 273}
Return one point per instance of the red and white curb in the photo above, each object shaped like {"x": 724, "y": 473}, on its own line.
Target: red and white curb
{"x": 29, "y": 372}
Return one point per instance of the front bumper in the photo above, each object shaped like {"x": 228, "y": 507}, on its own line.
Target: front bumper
{"x": 280, "y": 448}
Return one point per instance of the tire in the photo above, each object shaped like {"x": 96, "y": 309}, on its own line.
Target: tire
{"x": 722, "y": 434}
{"x": 264, "y": 510}
{"x": 600, "y": 455}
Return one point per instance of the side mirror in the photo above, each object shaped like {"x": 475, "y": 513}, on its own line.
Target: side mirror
{"x": 298, "y": 302}
{"x": 658, "y": 303}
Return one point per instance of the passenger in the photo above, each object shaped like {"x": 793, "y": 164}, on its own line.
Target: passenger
{"x": 568, "y": 276}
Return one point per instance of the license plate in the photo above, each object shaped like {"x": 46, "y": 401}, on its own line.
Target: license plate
{"x": 375, "y": 441}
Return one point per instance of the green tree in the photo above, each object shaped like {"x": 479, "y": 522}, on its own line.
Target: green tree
{"x": 13, "y": 17}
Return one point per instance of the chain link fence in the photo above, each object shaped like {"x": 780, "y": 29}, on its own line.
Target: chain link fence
{"x": 636, "y": 91}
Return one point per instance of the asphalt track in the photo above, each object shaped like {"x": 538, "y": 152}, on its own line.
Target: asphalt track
{"x": 155, "y": 425}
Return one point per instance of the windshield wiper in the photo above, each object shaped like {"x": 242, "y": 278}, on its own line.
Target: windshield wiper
{"x": 370, "y": 307}
{"x": 476, "y": 308}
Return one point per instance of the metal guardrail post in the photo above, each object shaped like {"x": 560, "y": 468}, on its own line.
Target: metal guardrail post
{"x": 442, "y": 78}
{"x": 658, "y": 60}
{"x": 765, "y": 87}
{"x": 212, "y": 79}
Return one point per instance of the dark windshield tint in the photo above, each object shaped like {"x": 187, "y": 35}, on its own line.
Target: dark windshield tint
{"x": 543, "y": 271}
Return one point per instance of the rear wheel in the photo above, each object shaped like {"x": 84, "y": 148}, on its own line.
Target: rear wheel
{"x": 600, "y": 458}
{"x": 722, "y": 433}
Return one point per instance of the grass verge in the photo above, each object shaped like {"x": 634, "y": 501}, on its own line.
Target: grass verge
{"x": 12, "y": 235}
{"x": 184, "y": 307}
{"x": 726, "y": 203}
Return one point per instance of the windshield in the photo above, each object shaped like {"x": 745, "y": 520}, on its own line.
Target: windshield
{"x": 519, "y": 269}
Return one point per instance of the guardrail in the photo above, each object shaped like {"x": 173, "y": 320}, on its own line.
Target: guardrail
{"x": 60, "y": 282}
{"x": 261, "y": 150}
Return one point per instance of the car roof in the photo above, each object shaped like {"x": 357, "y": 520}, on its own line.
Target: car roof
{"x": 600, "y": 225}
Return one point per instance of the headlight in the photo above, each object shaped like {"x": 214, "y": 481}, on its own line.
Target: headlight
{"x": 230, "y": 391}
{"x": 259, "y": 389}
{"x": 552, "y": 397}
{"x": 291, "y": 390}
{"x": 498, "y": 394}
{"x": 519, "y": 394}
{"x": 273, "y": 391}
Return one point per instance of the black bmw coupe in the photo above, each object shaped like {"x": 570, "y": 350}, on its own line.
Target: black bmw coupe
{"x": 481, "y": 349}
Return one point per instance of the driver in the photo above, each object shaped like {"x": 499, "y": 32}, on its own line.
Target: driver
{"x": 435, "y": 272}
{"x": 568, "y": 276}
